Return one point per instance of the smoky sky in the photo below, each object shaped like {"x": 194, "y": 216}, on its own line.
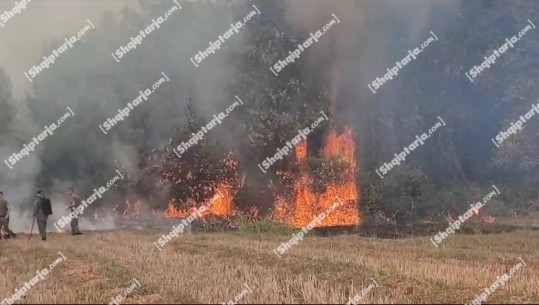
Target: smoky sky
{"x": 88, "y": 80}
{"x": 372, "y": 35}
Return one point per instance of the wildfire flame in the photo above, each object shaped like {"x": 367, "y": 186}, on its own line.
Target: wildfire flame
{"x": 253, "y": 212}
{"x": 132, "y": 212}
{"x": 221, "y": 205}
{"x": 305, "y": 204}
{"x": 308, "y": 204}
{"x": 475, "y": 218}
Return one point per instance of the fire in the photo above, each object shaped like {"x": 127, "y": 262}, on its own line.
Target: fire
{"x": 221, "y": 204}
{"x": 131, "y": 212}
{"x": 342, "y": 145}
{"x": 488, "y": 219}
{"x": 253, "y": 212}
{"x": 476, "y": 217}
{"x": 173, "y": 212}
{"x": 308, "y": 204}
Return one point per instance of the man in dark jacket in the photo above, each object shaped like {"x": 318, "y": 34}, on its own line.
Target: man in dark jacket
{"x": 40, "y": 215}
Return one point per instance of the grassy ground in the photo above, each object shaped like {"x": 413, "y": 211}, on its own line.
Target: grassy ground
{"x": 214, "y": 267}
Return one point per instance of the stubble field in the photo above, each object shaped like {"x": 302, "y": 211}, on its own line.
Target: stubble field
{"x": 217, "y": 267}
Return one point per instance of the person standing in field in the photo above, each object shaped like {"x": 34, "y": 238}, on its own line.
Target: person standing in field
{"x": 4, "y": 217}
{"x": 42, "y": 210}
{"x": 74, "y": 202}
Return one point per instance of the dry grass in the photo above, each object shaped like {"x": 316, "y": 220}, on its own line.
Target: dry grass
{"x": 213, "y": 267}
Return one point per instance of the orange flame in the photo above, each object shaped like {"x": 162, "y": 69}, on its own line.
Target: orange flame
{"x": 221, "y": 205}
{"x": 308, "y": 205}
{"x": 484, "y": 219}
{"x": 476, "y": 217}
{"x": 131, "y": 212}
{"x": 253, "y": 212}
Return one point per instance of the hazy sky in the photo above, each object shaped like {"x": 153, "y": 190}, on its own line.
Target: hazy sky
{"x": 25, "y": 35}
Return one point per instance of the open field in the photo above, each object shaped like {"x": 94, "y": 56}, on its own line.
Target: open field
{"x": 213, "y": 268}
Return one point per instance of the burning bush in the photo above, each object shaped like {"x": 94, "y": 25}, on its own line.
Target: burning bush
{"x": 328, "y": 171}
{"x": 197, "y": 176}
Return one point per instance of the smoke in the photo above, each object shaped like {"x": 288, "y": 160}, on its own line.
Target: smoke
{"x": 30, "y": 32}
{"x": 361, "y": 46}
{"x": 88, "y": 80}
{"x": 27, "y": 38}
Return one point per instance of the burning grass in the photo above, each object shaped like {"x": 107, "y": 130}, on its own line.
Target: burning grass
{"x": 210, "y": 268}
{"x": 221, "y": 205}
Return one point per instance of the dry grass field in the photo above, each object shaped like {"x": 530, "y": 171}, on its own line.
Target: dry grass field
{"x": 214, "y": 267}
